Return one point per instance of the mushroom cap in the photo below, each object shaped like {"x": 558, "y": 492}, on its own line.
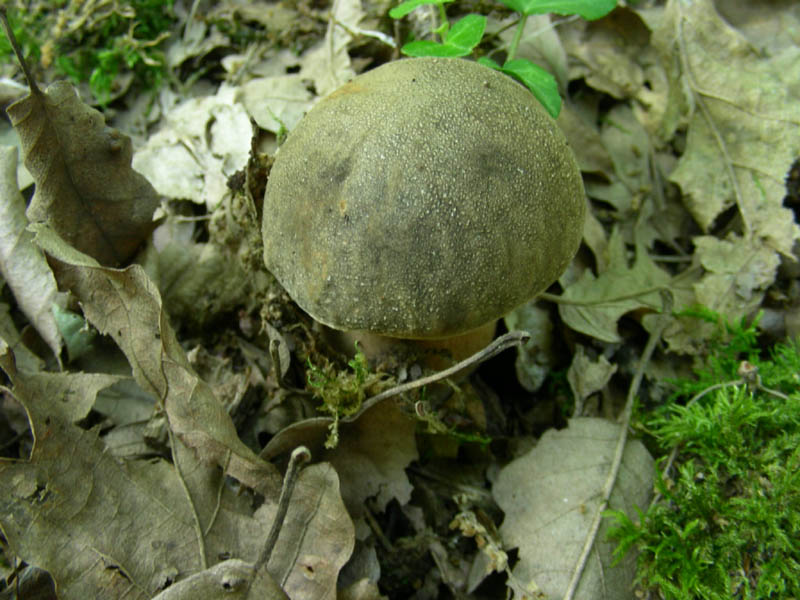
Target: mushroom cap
{"x": 422, "y": 199}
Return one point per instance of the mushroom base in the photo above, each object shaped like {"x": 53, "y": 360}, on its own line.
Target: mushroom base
{"x": 436, "y": 354}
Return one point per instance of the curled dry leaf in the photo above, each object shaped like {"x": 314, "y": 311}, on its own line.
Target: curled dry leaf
{"x": 86, "y": 189}
{"x": 374, "y": 449}
{"x": 22, "y": 264}
{"x": 126, "y": 305}
{"x": 73, "y": 501}
{"x": 586, "y": 376}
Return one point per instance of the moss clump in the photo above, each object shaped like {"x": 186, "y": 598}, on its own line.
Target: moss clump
{"x": 342, "y": 392}
{"x": 727, "y": 524}
{"x": 95, "y": 43}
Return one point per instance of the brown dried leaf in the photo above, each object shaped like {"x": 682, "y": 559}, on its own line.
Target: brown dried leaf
{"x": 85, "y": 186}
{"x": 743, "y": 120}
{"x": 374, "y": 449}
{"x": 22, "y": 264}
{"x": 111, "y": 528}
{"x": 232, "y": 579}
{"x": 550, "y": 495}
{"x": 317, "y": 537}
{"x": 126, "y": 305}
{"x": 102, "y": 528}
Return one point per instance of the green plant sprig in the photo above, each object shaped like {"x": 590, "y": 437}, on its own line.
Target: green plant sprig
{"x": 464, "y": 35}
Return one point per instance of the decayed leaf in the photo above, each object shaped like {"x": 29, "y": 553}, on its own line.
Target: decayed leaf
{"x": 599, "y": 317}
{"x": 586, "y": 376}
{"x": 85, "y": 186}
{"x": 22, "y": 264}
{"x": 550, "y": 496}
{"x": 9, "y": 334}
{"x": 328, "y": 62}
{"x": 126, "y": 305}
{"x": 102, "y": 528}
{"x": 534, "y": 357}
{"x": 275, "y": 102}
{"x": 316, "y": 539}
{"x": 374, "y": 449}
{"x": 744, "y": 120}
{"x": 232, "y": 579}
{"x": 197, "y": 281}
{"x": 111, "y": 528}
{"x": 609, "y": 52}
{"x": 205, "y": 140}
{"x": 738, "y": 273}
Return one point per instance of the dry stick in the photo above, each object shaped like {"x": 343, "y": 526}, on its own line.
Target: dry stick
{"x": 508, "y": 340}
{"x": 624, "y": 419}
{"x": 299, "y": 457}
{"x": 18, "y": 51}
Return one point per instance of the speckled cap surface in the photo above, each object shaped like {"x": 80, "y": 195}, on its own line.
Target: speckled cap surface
{"x": 421, "y": 200}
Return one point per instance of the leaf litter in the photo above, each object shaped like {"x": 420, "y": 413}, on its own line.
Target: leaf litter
{"x": 174, "y": 498}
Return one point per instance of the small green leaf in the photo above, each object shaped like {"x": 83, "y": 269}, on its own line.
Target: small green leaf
{"x": 427, "y": 48}
{"x": 540, "y": 82}
{"x": 588, "y": 9}
{"x": 404, "y": 8}
{"x": 467, "y": 32}
{"x": 488, "y": 62}
{"x": 461, "y": 39}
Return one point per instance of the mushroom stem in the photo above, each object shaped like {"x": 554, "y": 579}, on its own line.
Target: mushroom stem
{"x": 435, "y": 354}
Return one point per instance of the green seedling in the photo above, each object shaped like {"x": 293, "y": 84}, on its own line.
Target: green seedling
{"x": 726, "y": 520}
{"x": 463, "y": 37}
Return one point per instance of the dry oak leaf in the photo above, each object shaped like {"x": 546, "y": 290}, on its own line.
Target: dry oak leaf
{"x": 111, "y": 528}
{"x": 86, "y": 189}
{"x": 743, "y": 120}
{"x": 103, "y": 528}
{"x": 22, "y": 264}
{"x": 375, "y": 447}
{"x": 126, "y": 304}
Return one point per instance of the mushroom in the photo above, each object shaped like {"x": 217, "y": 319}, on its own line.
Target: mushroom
{"x": 422, "y": 201}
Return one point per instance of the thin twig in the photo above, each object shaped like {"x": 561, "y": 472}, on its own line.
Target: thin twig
{"x": 508, "y": 340}
{"x": 299, "y": 457}
{"x": 18, "y": 51}
{"x": 619, "y": 451}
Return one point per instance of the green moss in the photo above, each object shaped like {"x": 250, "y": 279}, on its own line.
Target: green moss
{"x": 727, "y": 524}
{"x": 95, "y": 44}
{"x": 342, "y": 392}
